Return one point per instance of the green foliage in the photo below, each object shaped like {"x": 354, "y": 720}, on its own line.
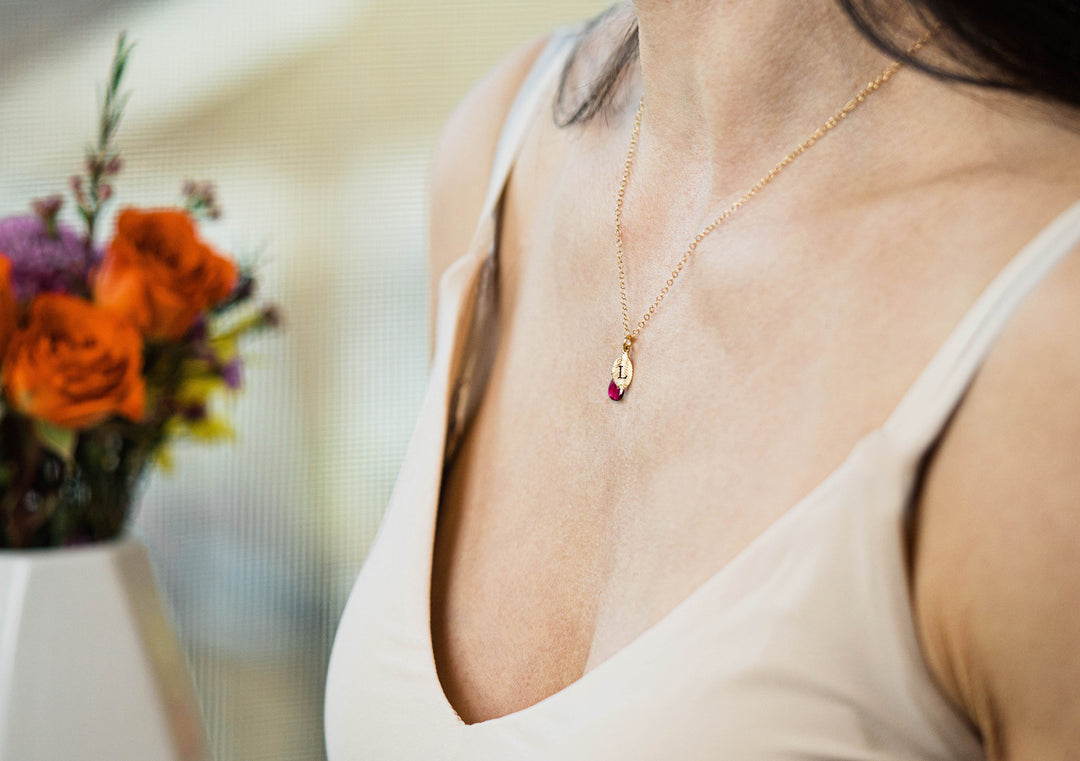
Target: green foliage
{"x": 59, "y": 441}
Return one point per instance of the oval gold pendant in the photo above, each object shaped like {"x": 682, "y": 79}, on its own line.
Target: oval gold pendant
{"x": 622, "y": 372}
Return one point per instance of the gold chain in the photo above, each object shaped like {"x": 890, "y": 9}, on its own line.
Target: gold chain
{"x": 799, "y": 150}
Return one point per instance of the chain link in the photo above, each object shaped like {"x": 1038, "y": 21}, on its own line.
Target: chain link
{"x": 760, "y": 185}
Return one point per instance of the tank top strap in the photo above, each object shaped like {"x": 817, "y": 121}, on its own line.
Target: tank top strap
{"x": 547, "y": 67}
{"x": 925, "y": 409}
{"x": 478, "y": 343}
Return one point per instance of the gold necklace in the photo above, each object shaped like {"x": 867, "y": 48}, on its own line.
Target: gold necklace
{"x": 622, "y": 371}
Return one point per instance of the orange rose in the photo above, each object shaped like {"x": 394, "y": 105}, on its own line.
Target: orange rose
{"x": 74, "y": 364}
{"x": 8, "y": 304}
{"x": 159, "y": 275}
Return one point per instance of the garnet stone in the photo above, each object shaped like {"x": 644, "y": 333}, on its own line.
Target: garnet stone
{"x": 614, "y": 392}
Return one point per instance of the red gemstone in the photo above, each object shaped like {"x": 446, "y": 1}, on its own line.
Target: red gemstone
{"x": 614, "y": 392}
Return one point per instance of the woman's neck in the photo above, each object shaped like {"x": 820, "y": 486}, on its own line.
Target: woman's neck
{"x": 723, "y": 77}
{"x": 731, "y": 86}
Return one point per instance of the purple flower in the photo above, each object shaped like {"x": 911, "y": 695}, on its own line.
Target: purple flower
{"x": 233, "y": 374}
{"x": 198, "y": 333}
{"x": 41, "y": 263}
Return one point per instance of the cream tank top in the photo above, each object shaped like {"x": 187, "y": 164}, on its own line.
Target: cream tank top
{"x": 802, "y": 647}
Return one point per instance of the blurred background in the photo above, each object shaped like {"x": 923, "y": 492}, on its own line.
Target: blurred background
{"x": 316, "y": 120}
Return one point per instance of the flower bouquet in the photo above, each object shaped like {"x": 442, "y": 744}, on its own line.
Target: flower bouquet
{"x": 109, "y": 351}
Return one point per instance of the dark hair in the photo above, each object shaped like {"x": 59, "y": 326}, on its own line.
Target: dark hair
{"x": 597, "y": 93}
{"x": 1022, "y": 46}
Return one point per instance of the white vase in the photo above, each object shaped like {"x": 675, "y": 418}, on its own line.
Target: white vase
{"x": 90, "y": 669}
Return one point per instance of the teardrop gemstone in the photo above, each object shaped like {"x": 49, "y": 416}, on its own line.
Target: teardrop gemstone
{"x": 614, "y": 393}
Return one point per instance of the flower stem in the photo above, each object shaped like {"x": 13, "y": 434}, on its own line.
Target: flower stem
{"x": 103, "y": 159}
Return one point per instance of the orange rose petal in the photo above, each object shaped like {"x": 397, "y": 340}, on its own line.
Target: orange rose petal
{"x": 74, "y": 364}
{"x": 224, "y": 278}
{"x": 8, "y": 305}
{"x": 172, "y": 314}
{"x": 158, "y": 273}
{"x": 123, "y": 291}
{"x": 134, "y": 407}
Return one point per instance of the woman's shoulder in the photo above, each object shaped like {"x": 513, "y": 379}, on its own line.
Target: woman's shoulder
{"x": 996, "y": 575}
{"x": 465, "y": 151}
{"x": 464, "y": 154}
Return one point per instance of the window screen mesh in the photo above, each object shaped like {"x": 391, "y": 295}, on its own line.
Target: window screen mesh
{"x": 316, "y": 121}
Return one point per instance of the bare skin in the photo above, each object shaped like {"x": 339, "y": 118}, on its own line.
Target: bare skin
{"x": 570, "y": 524}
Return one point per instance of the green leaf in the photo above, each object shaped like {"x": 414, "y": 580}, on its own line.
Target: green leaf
{"x": 60, "y": 441}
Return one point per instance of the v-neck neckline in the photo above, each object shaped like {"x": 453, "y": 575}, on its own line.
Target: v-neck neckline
{"x": 644, "y": 638}
{"x": 951, "y": 364}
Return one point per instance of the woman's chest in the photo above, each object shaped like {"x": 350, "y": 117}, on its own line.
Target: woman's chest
{"x": 570, "y": 523}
